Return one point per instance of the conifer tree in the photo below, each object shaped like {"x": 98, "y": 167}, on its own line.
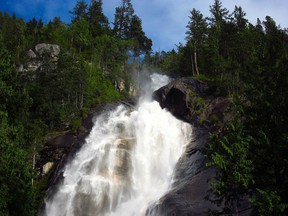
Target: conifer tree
{"x": 219, "y": 14}
{"x": 98, "y": 22}
{"x": 123, "y": 18}
{"x": 79, "y": 11}
{"x": 196, "y": 34}
{"x": 239, "y": 18}
{"x": 141, "y": 42}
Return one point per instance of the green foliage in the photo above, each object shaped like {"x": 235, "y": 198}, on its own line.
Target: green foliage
{"x": 248, "y": 64}
{"x": 123, "y": 18}
{"x": 230, "y": 155}
{"x": 98, "y": 22}
{"x": 196, "y": 35}
{"x": 75, "y": 125}
{"x": 168, "y": 63}
{"x": 80, "y": 34}
{"x": 260, "y": 76}
{"x": 128, "y": 26}
{"x": 16, "y": 192}
{"x": 98, "y": 88}
{"x": 141, "y": 42}
{"x": 196, "y": 103}
{"x": 268, "y": 202}
{"x": 79, "y": 12}
{"x": 15, "y": 169}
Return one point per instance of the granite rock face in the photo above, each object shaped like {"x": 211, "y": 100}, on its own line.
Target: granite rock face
{"x": 186, "y": 99}
{"x": 177, "y": 96}
{"x": 40, "y": 55}
{"x": 42, "y": 49}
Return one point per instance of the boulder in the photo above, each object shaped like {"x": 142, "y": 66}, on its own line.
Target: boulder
{"x": 39, "y": 55}
{"x": 121, "y": 85}
{"x": 47, "y": 167}
{"x": 186, "y": 99}
{"x": 52, "y": 50}
{"x": 182, "y": 97}
{"x": 31, "y": 54}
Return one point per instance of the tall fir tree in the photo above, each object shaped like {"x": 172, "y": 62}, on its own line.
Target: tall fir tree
{"x": 239, "y": 18}
{"x": 196, "y": 35}
{"x": 79, "y": 11}
{"x": 123, "y": 18}
{"x": 142, "y": 44}
{"x": 218, "y": 13}
{"x": 98, "y": 22}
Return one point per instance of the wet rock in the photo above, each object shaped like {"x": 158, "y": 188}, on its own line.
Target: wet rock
{"x": 187, "y": 100}
{"x": 47, "y": 167}
{"x": 182, "y": 97}
{"x": 122, "y": 86}
{"x": 61, "y": 148}
{"x": 123, "y": 158}
{"x": 185, "y": 200}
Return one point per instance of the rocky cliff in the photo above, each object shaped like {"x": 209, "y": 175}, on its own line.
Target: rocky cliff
{"x": 186, "y": 99}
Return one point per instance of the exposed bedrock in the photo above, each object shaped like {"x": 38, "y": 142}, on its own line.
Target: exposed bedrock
{"x": 186, "y": 99}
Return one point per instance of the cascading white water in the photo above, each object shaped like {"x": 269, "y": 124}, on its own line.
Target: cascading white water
{"x": 126, "y": 163}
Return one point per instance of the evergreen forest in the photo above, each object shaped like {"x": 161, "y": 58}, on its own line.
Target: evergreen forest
{"x": 245, "y": 62}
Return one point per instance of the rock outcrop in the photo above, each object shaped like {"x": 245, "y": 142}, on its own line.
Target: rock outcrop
{"x": 52, "y": 50}
{"x": 186, "y": 99}
{"x": 39, "y": 55}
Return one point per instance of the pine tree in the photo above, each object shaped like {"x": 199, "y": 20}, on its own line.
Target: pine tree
{"x": 80, "y": 34}
{"x": 216, "y": 41}
{"x": 79, "y": 11}
{"x": 123, "y": 18}
{"x": 196, "y": 34}
{"x": 219, "y": 14}
{"x": 239, "y": 18}
{"x": 98, "y": 22}
{"x": 142, "y": 44}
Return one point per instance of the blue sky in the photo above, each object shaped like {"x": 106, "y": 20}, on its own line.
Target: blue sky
{"x": 164, "y": 21}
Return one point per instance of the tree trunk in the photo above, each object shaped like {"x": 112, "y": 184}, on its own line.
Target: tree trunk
{"x": 76, "y": 100}
{"x": 195, "y": 59}
{"x": 192, "y": 65}
{"x": 33, "y": 163}
{"x": 81, "y": 97}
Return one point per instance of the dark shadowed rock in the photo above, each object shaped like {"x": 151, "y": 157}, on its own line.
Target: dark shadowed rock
{"x": 177, "y": 96}
{"x": 186, "y": 99}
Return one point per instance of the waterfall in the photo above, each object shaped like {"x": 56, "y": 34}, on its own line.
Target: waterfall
{"x": 126, "y": 163}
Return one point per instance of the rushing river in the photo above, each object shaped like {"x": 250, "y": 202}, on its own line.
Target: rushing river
{"x": 126, "y": 163}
